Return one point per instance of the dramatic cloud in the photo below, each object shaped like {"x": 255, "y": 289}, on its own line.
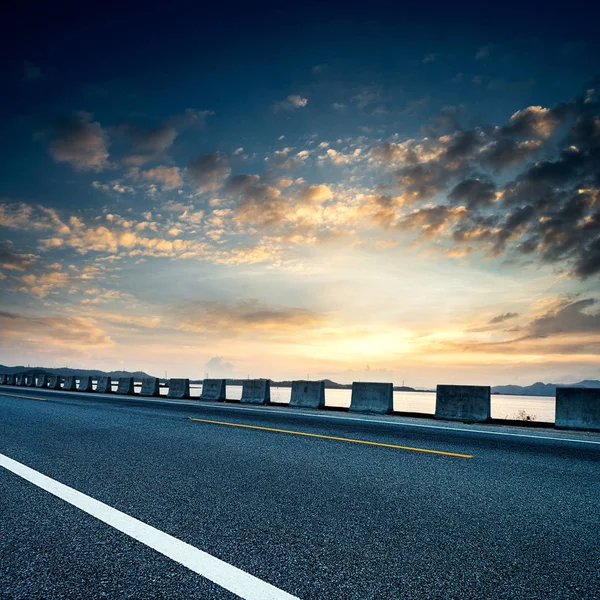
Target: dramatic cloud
{"x": 473, "y": 193}
{"x": 568, "y": 318}
{"x": 506, "y": 153}
{"x": 535, "y": 121}
{"x": 78, "y": 141}
{"x": 550, "y": 209}
{"x": 208, "y": 172}
{"x": 292, "y": 102}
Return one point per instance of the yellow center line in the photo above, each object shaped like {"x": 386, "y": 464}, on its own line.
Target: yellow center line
{"x": 28, "y": 397}
{"x": 330, "y": 437}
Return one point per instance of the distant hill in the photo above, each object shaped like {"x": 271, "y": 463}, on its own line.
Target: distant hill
{"x": 536, "y": 389}
{"x": 66, "y": 371}
{"x": 541, "y": 389}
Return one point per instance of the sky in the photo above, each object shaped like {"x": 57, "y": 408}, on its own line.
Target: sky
{"x": 313, "y": 190}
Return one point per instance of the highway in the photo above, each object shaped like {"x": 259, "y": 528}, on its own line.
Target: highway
{"x": 287, "y": 503}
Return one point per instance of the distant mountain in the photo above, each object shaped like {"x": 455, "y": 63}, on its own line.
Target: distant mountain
{"x": 541, "y": 389}
{"x": 65, "y": 371}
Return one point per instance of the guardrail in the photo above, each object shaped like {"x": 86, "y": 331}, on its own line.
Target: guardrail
{"x": 575, "y": 408}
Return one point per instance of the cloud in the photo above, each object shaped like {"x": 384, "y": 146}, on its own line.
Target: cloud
{"x": 208, "y": 172}
{"x": 281, "y": 159}
{"x": 562, "y": 325}
{"x": 40, "y": 285}
{"x": 52, "y": 331}
{"x": 245, "y": 317}
{"x": 292, "y": 102}
{"x": 149, "y": 145}
{"x": 503, "y": 317}
{"x": 474, "y": 193}
{"x": 549, "y": 211}
{"x": 217, "y": 367}
{"x": 503, "y": 154}
{"x": 78, "y": 141}
{"x": 15, "y": 261}
{"x": 257, "y": 202}
{"x": 315, "y": 194}
{"x": 535, "y": 121}
{"x": 169, "y": 177}
{"x": 568, "y": 318}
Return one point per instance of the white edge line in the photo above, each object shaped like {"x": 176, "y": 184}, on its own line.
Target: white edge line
{"x": 318, "y": 415}
{"x": 216, "y": 570}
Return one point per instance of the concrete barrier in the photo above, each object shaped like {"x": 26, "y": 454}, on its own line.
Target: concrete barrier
{"x": 471, "y": 403}
{"x": 213, "y": 389}
{"x": 2, "y": 379}
{"x": 577, "y": 408}
{"x": 85, "y": 384}
{"x": 54, "y": 382}
{"x": 10, "y": 380}
{"x": 41, "y": 381}
{"x": 20, "y": 380}
{"x": 29, "y": 381}
{"x": 308, "y": 394}
{"x": 70, "y": 383}
{"x": 179, "y": 388}
{"x": 150, "y": 387}
{"x": 256, "y": 391}
{"x": 104, "y": 385}
{"x": 369, "y": 397}
{"x": 125, "y": 386}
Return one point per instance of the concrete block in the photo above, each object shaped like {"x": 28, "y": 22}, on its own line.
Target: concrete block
{"x": 150, "y": 387}
{"x": 179, "y": 388}
{"x": 104, "y": 385}
{"x": 85, "y": 384}
{"x": 256, "y": 391}
{"x": 213, "y": 389}
{"x": 368, "y": 397}
{"x": 29, "y": 381}
{"x": 70, "y": 383}
{"x": 2, "y": 379}
{"x": 308, "y": 394}
{"x": 470, "y": 403}
{"x": 125, "y": 386}
{"x": 54, "y": 382}
{"x": 10, "y": 380}
{"x": 577, "y": 408}
{"x": 41, "y": 381}
{"x": 20, "y": 380}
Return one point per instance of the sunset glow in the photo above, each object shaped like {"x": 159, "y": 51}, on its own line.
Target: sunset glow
{"x": 427, "y": 211}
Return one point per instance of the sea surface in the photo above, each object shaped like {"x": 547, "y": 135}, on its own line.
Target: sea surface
{"x": 538, "y": 408}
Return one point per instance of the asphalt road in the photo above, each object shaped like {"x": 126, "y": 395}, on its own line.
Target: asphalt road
{"x": 316, "y": 517}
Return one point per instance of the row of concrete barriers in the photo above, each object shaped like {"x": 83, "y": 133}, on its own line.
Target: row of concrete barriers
{"x": 576, "y": 408}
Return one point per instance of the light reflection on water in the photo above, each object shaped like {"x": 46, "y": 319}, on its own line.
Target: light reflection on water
{"x": 540, "y": 408}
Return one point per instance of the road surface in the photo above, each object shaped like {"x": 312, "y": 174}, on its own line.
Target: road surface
{"x": 291, "y": 500}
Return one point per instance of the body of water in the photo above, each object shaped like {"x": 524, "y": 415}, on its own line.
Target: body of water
{"x": 539, "y": 408}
